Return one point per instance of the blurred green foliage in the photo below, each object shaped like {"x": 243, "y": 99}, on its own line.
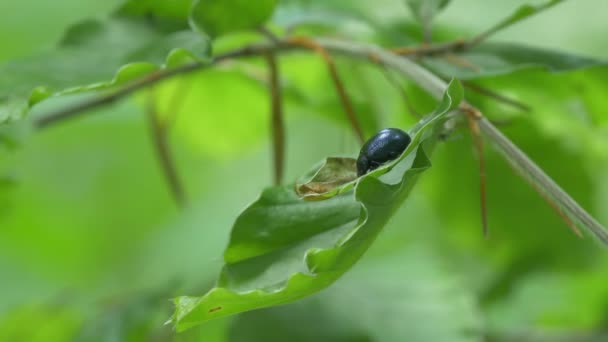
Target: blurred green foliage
{"x": 92, "y": 245}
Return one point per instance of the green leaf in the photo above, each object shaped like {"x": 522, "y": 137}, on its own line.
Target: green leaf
{"x": 94, "y": 55}
{"x": 333, "y": 173}
{"x": 425, "y": 10}
{"x": 218, "y": 17}
{"x": 283, "y": 248}
{"x": 491, "y": 59}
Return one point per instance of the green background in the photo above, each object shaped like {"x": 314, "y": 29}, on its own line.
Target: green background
{"x": 92, "y": 246}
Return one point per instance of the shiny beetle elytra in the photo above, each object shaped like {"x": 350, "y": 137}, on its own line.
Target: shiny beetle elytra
{"x": 386, "y": 145}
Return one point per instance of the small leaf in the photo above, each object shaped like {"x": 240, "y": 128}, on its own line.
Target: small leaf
{"x": 94, "y": 55}
{"x": 425, "y": 10}
{"x": 491, "y": 59}
{"x": 218, "y": 17}
{"x": 283, "y": 248}
{"x": 334, "y": 173}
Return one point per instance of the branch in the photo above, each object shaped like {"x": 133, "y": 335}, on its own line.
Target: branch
{"x": 479, "y": 146}
{"x": 81, "y": 108}
{"x": 428, "y": 81}
{"x": 268, "y": 34}
{"x": 557, "y": 209}
{"x": 516, "y": 157}
{"x": 427, "y": 30}
{"x": 526, "y": 168}
{"x": 278, "y": 128}
{"x": 176, "y": 102}
{"x": 158, "y": 130}
{"x": 457, "y": 45}
{"x": 496, "y": 96}
{"x": 431, "y": 49}
{"x": 566, "y": 207}
{"x": 453, "y": 46}
{"x": 367, "y": 52}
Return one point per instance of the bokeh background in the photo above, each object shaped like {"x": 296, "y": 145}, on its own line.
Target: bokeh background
{"x": 92, "y": 247}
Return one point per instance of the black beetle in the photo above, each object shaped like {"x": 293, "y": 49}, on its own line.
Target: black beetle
{"x": 386, "y": 145}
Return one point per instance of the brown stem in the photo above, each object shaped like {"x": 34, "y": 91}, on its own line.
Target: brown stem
{"x": 406, "y": 99}
{"x": 430, "y": 49}
{"x": 178, "y": 97}
{"x": 476, "y": 116}
{"x": 428, "y": 81}
{"x": 369, "y": 53}
{"x": 250, "y": 50}
{"x": 264, "y": 31}
{"x": 81, "y": 108}
{"x": 163, "y": 152}
{"x": 427, "y": 31}
{"x": 460, "y": 62}
{"x": 557, "y": 210}
{"x": 479, "y": 146}
{"x": 496, "y": 96}
{"x": 441, "y": 48}
{"x": 333, "y": 72}
{"x": 278, "y": 128}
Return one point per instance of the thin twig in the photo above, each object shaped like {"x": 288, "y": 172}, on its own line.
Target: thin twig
{"x": 496, "y": 96}
{"x": 457, "y": 45}
{"x": 178, "y": 98}
{"x": 543, "y": 184}
{"x": 507, "y": 22}
{"x": 269, "y": 35}
{"x": 427, "y": 31}
{"x": 428, "y": 81}
{"x": 81, "y": 108}
{"x": 517, "y": 158}
{"x": 160, "y": 138}
{"x": 276, "y": 108}
{"x": 460, "y": 62}
{"x": 333, "y": 72}
{"x": 555, "y": 207}
{"x": 367, "y": 52}
{"x": 406, "y": 99}
{"x": 453, "y": 46}
{"x": 278, "y": 128}
{"x": 431, "y": 49}
{"x": 526, "y": 168}
{"x": 426, "y": 19}
{"x": 479, "y": 146}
